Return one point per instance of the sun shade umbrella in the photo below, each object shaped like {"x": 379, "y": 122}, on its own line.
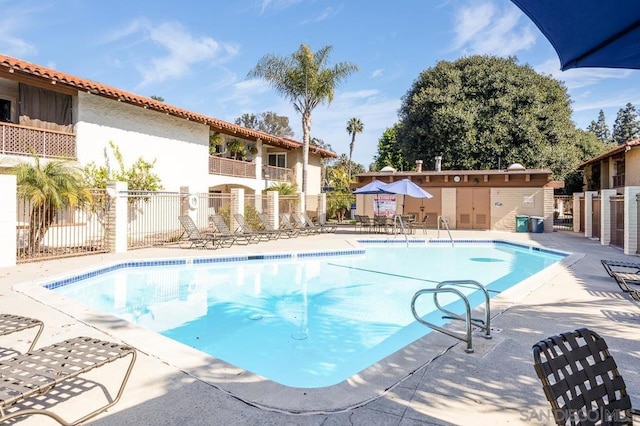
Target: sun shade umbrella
{"x": 373, "y": 187}
{"x": 406, "y": 187}
{"x": 589, "y": 33}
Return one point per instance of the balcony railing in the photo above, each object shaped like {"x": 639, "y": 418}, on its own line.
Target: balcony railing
{"x": 23, "y": 140}
{"x": 229, "y": 167}
{"x": 618, "y": 181}
{"x": 278, "y": 174}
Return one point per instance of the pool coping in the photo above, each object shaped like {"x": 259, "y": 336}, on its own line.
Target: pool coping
{"x": 356, "y": 391}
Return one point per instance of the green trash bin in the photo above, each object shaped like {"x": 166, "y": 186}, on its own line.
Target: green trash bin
{"x": 536, "y": 224}
{"x": 522, "y": 223}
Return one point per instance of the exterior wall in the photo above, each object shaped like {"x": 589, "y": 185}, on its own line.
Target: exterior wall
{"x": 631, "y": 209}
{"x": 8, "y": 223}
{"x": 314, "y": 177}
{"x": 605, "y": 216}
{"x": 605, "y": 173}
{"x": 588, "y": 213}
{"x": 449, "y": 210}
{"x": 632, "y": 167}
{"x": 507, "y": 203}
{"x": 577, "y": 214}
{"x": 180, "y": 147}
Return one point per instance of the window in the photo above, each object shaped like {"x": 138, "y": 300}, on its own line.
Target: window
{"x": 278, "y": 160}
{"x": 5, "y": 110}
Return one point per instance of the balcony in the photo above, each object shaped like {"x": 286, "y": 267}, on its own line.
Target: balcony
{"x": 277, "y": 174}
{"x": 618, "y": 181}
{"x": 229, "y": 167}
{"x": 23, "y": 140}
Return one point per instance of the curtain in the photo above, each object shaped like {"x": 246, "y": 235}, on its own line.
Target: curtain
{"x": 44, "y": 105}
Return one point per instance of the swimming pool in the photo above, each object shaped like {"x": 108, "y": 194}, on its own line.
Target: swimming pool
{"x": 307, "y": 320}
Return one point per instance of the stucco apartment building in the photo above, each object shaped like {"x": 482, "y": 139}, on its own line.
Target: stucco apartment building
{"x": 57, "y": 115}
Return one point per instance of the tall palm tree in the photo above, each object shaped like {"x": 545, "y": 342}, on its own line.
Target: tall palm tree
{"x": 353, "y": 126}
{"x": 306, "y": 80}
{"x": 49, "y": 188}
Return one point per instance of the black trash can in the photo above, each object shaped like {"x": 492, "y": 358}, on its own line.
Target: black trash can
{"x": 536, "y": 224}
{"x": 522, "y": 223}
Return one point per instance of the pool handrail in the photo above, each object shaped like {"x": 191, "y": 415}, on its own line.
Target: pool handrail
{"x": 447, "y": 287}
{"x": 446, "y": 226}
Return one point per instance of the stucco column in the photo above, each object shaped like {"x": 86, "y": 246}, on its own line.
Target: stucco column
{"x": 273, "y": 208}
{"x": 237, "y": 206}
{"x": 588, "y": 213}
{"x": 605, "y": 216}
{"x": 631, "y": 207}
{"x": 118, "y": 219}
{"x": 302, "y": 207}
{"x": 576, "y": 211}
{"x": 8, "y": 221}
{"x": 322, "y": 208}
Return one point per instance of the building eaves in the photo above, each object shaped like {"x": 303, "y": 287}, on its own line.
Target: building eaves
{"x": 14, "y": 65}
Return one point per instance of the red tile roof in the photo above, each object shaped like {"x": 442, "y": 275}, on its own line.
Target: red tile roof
{"x": 613, "y": 151}
{"x": 17, "y": 66}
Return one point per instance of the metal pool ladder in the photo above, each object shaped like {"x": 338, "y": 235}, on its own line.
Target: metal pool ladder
{"x": 446, "y": 226}
{"x": 449, "y": 287}
{"x": 397, "y": 218}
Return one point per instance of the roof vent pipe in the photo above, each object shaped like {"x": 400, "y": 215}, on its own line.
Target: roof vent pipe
{"x": 419, "y": 166}
{"x": 438, "y": 163}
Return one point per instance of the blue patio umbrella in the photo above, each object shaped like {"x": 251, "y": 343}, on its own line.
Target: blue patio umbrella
{"x": 373, "y": 187}
{"x": 589, "y": 33}
{"x": 406, "y": 187}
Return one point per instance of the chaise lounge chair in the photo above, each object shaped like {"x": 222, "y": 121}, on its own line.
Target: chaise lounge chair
{"x": 286, "y": 226}
{"x": 612, "y": 266}
{"x": 225, "y": 232}
{"x": 581, "y": 380}
{"x": 246, "y": 229}
{"x": 26, "y": 377}
{"x": 303, "y": 225}
{"x": 267, "y": 226}
{"x": 618, "y": 270}
{"x": 14, "y": 324}
{"x": 323, "y": 225}
{"x": 196, "y": 237}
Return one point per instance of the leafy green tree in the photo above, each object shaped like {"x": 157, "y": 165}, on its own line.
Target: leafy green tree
{"x": 345, "y": 164}
{"x": 340, "y": 199}
{"x": 627, "y": 127}
{"x": 482, "y": 111}
{"x": 389, "y": 152}
{"x": 354, "y": 126}
{"x": 324, "y": 161}
{"x": 305, "y": 79}
{"x": 50, "y": 188}
{"x": 267, "y": 122}
{"x": 600, "y": 128}
{"x": 139, "y": 176}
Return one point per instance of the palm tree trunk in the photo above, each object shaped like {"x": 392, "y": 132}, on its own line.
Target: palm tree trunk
{"x": 306, "y": 130}
{"x": 353, "y": 141}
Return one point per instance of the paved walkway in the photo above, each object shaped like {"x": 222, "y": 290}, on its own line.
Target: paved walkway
{"x": 172, "y": 384}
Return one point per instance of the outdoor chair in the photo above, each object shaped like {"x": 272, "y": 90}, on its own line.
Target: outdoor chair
{"x": 196, "y": 237}
{"x": 612, "y": 266}
{"x": 366, "y": 223}
{"x": 53, "y": 370}
{"x": 15, "y": 324}
{"x": 267, "y": 226}
{"x": 421, "y": 225}
{"x": 301, "y": 223}
{"x": 581, "y": 380}
{"x": 225, "y": 232}
{"x": 287, "y": 226}
{"x": 324, "y": 227}
{"x": 619, "y": 271}
{"x": 625, "y": 280}
{"x": 257, "y": 235}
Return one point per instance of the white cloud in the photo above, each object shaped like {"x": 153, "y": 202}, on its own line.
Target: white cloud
{"x": 580, "y": 77}
{"x": 326, "y": 14}
{"x": 276, "y": 4}
{"x": 14, "y": 21}
{"x": 482, "y": 28}
{"x": 181, "y": 50}
{"x": 377, "y": 73}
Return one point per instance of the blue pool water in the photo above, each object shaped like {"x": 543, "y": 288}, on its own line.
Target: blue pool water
{"x": 302, "y": 322}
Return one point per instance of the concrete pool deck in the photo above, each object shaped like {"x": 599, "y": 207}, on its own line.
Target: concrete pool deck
{"x": 431, "y": 382}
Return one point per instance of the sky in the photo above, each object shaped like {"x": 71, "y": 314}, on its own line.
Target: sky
{"x": 197, "y": 54}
